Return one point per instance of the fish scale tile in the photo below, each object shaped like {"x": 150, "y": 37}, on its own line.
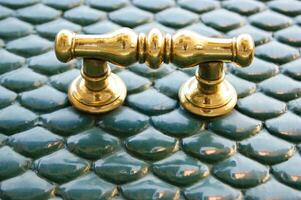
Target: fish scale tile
{"x": 22, "y": 79}
{"x": 38, "y": 13}
{"x": 7, "y": 97}
{"x": 9, "y": 61}
{"x": 259, "y": 70}
{"x": 16, "y": 29}
{"x": 89, "y": 187}
{"x": 26, "y": 186}
{"x": 223, "y": 20}
{"x": 176, "y": 17}
{"x": 67, "y": 121}
{"x": 180, "y": 169}
{"x": 241, "y": 172}
{"x": 151, "y": 144}
{"x": 266, "y": 148}
{"x": 199, "y": 6}
{"x": 61, "y": 166}
{"x": 149, "y": 149}
{"x": 154, "y": 5}
{"x": 93, "y": 143}
{"x": 44, "y": 99}
{"x": 35, "y": 142}
{"x": 29, "y": 46}
{"x": 208, "y": 146}
{"x": 211, "y": 188}
{"x": 134, "y": 17}
{"x": 121, "y": 168}
{"x": 12, "y": 163}
{"x": 84, "y": 15}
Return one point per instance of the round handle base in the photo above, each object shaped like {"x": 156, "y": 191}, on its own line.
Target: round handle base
{"x": 102, "y": 101}
{"x": 208, "y": 105}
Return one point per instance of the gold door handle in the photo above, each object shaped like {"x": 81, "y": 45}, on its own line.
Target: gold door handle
{"x": 98, "y": 90}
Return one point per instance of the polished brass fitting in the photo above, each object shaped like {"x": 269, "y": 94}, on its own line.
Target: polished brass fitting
{"x": 98, "y": 90}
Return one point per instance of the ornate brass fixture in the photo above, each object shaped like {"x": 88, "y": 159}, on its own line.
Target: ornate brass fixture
{"x": 98, "y": 90}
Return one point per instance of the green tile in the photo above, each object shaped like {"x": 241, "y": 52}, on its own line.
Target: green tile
{"x": 151, "y": 144}
{"x": 208, "y": 146}
{"x": 180, "y": 169}
{"x": 121, "y": 168}
{"x": 61, "y": 166}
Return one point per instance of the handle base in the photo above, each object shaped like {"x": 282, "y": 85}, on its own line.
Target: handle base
{"x": 199, "y": 102}
{"x": 104, "y": 100}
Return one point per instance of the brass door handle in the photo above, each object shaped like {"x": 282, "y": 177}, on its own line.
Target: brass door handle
{"x": 98, "y": 90}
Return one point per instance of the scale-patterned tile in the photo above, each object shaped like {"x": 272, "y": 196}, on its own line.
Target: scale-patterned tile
{"x": 154, "y": 5}
{"x": 211, "y": 188}
{"x": 22, "y": 79}
{"x": 151, "y": 102}
{"x": 89, "y": 187}
{"x": 241, "y": 172}
{"x": 269, "y": 108}
{"x": 7, "y": 97}
{"x": 288, "y": 172}
{"x": 29, "y": 46}
{"x": 235, "y": 126}
{"x": 50, "y": 29}
{"x": 48, "y": 64}
{"x": 9, "y": 61}
{"x": 63, "y": 4}
{"x": 199, "y": 6}
{"x": 44, "y": 99}
{"x": 151, "y": 144}
{"x": 93, "y": 143}
{"x": 124, "y": 121}
{"x": 180, "y": 169}
{"x": 36, "y": 142}
{"x": 280, "y": 191}
{"x": 5, "y": 12}
{"x": 290, "y": 35}
{"x": 26, "y": 186}
{"x": 16, "y": 29}
{"x": 12, "y": 163}
{"x": 176, "y": 17}
{"x": 149, "y": 149}
{"x": 121, "y": 168}
{"x": 108, "y": 5}
{"x": 38, "y": 13}
{"x": 101, "y": 27}
{"x": 178, "y": 123}
{"x": 208, "y": 146}
{"x": 84, "y": 15}
{"x": 150, "y": 187}
{"x": 259, "y": 70}
{"x": 287, "y": 126}
{"x": 281, "y": 87}
{"x": 266, "y": 148}
{"x": 277, "y": 52}
{"x": 134, "y": 17}
{"x": 67, "y": 121}
{"x": 289, "y": 7}
{"x": 61, "y": 166}
{"x": 223, "y": 20}
{"x": 259, "y": 36}
{"x": 293, "y": 69}
{"x": 270, "y": 20}
{"x": 16, "y": 118}
{"x": 244, "y": 7}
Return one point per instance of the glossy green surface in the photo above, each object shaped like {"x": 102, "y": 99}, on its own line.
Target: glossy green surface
{"x": 150, "y": 148}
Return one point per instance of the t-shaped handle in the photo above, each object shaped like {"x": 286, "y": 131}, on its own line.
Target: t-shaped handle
{"x": 97, "y": 90}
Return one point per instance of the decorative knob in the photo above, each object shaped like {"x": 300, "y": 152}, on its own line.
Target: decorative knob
{"x": 208, "y": 93}
{"x": 98, "y": 90}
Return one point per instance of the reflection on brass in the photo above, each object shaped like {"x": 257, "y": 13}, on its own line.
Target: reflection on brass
{"x": 98, "y": 90}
